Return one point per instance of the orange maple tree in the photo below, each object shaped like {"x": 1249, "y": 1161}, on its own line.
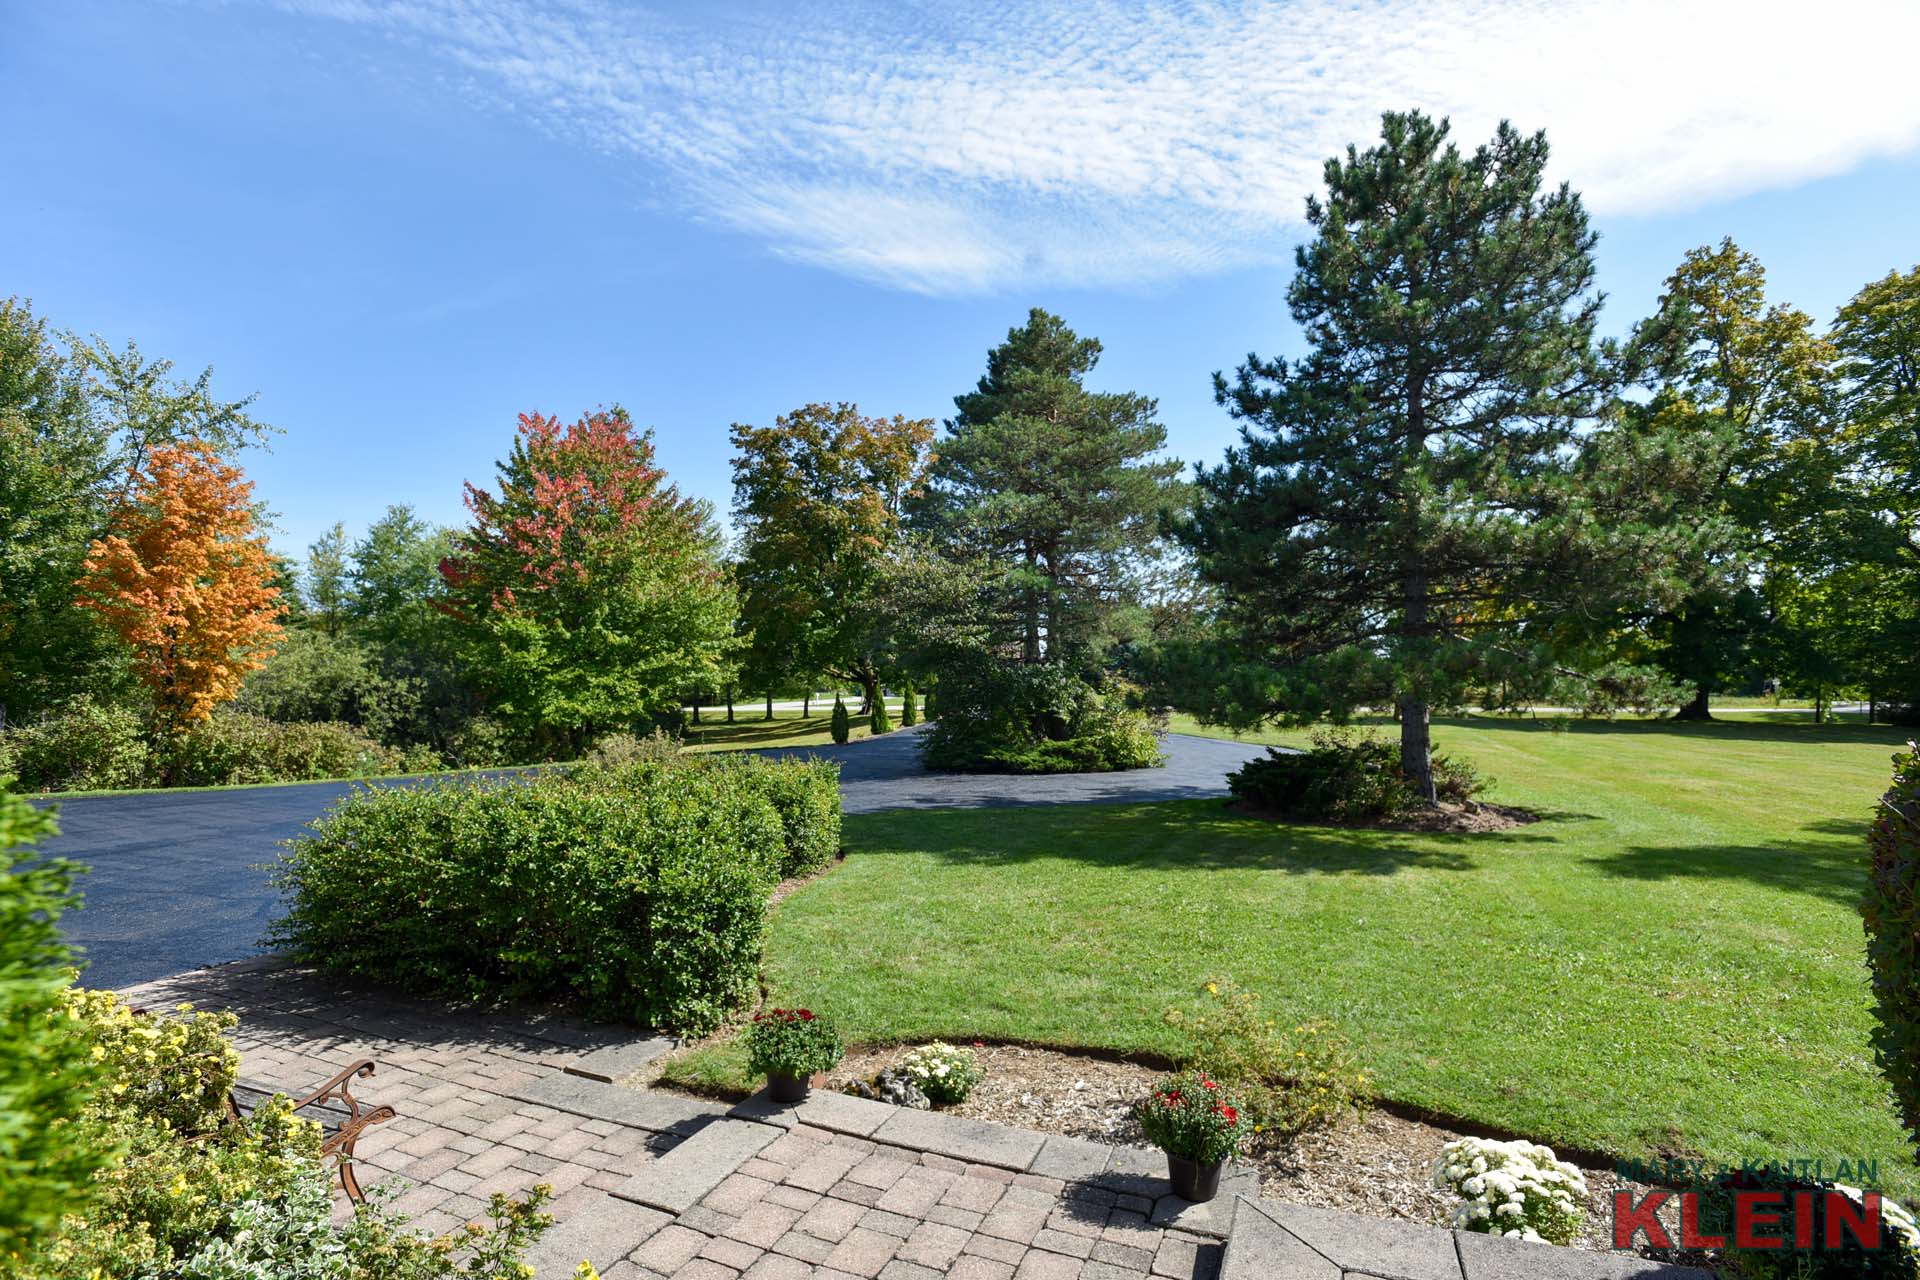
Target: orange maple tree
{"x": 183, "y": 576}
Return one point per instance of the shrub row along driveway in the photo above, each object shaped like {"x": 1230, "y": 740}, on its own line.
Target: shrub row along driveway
{"x": 179, "y": 880}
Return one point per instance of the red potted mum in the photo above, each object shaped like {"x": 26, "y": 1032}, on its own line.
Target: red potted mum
{"x": 1191, "y": 1118}
{"x": 790, "y": 1046}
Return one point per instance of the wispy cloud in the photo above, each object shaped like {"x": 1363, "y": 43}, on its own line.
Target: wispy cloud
{"x": 956, "y": 148}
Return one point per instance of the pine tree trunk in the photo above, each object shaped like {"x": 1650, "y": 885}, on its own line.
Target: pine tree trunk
{"x": 1030, "y": 643}
{"x": 1416, "y": 749}
{"x": 1697, "y": 708}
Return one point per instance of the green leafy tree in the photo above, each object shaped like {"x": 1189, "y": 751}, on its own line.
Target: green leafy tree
{"x": 326, "y": 580}
{"x": 1057, "y": 489}
{"x": 1409, "y": 509}
{"x": 77, "y": 423}
{"x": 55, "y": 470}
{"x": 591, "y": 592}
{"x": 1877, "y": 336}
{"x": 1759, "y": 381}
{"x": 395, "y": 582}
{"x": 818, "y": 498}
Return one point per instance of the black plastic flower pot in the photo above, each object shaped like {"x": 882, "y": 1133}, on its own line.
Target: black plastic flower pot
{"x": 1192, "y": 1180}
{"x": 787, "y": 1088}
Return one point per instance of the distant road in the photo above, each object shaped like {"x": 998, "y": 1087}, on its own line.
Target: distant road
{"x": 178, "y": 878}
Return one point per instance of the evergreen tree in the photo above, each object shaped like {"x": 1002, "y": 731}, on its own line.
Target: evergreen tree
{"x": 1407, "y": 511}
{"x": 1058, "y": 489}
{"x": 841, "y": 726}
{"x": 909, "y": 714}
{"x": 881, "y": 722}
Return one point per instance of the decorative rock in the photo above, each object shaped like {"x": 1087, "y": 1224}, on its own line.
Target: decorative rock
{"x": 891, "y": 1086}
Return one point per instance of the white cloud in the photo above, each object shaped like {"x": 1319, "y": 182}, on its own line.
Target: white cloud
{"x": 954, "y": 148}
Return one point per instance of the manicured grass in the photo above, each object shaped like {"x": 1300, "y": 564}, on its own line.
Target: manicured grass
{"x": 1669, "y": 961}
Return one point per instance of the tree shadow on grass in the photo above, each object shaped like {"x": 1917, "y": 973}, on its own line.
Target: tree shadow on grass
{"x": 1709, "y": 731}
{"x": 1193, "y": 837}
{"x": 1829, "y": 869}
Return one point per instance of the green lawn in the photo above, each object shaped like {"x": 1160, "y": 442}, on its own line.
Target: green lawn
{"x": 1669, "y": 961}
{"x": 751, "y": 728}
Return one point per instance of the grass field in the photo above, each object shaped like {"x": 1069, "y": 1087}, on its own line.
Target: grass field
{"x": 1669, "y": 961}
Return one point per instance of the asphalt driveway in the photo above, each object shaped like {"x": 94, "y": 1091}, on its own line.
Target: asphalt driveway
{"x": 179, "y": 879}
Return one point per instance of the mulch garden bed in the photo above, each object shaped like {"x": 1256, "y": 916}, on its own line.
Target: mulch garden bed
{"x": 1378, "y": 1166}
{"x": 1473, "y": 818}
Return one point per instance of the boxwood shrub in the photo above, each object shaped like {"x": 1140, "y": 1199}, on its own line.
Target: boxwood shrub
{"x": 1892, "y": 915}
{"x": 636, "y": 893}
{"x": 806, "y": 795}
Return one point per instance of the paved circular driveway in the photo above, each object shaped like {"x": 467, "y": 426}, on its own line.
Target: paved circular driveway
{"x": 179, "y": 879}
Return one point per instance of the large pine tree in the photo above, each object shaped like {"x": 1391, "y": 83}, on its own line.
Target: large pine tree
{"x": 1407, "y": 515}
{"x": 1055, "y": 489}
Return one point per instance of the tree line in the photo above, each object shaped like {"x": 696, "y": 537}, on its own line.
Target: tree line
{"x": 1459, "y": 495}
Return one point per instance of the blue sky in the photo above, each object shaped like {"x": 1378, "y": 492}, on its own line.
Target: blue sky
{"x": 401, "y": 224}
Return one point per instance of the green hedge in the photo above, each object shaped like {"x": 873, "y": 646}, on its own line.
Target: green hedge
{"x": 806, "y": 795}
{"x": 998, "y": 717}
{"x": 637, "y": 893}
{"x": 1892, "y": 913}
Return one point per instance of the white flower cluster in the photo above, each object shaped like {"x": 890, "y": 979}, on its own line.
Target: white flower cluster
{"x": 944, "y": 1072}
{"x": 1518, "y": 1189}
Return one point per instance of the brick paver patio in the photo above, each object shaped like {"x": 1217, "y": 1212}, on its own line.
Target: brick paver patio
{"x": 653, "y": 1184}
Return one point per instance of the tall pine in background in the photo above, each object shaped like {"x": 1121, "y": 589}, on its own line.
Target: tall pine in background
{"x": 1406, "y": 514}
{"x": 1056, "y": 490}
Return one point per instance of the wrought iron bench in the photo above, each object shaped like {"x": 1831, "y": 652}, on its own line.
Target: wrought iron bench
{"x": 341, "y": 1116}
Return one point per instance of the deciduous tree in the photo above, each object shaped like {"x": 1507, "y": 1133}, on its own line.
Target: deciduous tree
{"x": 183, "y": 576}
{"x": 591, "y": 590}
{"x": 1759, "y": 379}
{"x": 818, "y": 498}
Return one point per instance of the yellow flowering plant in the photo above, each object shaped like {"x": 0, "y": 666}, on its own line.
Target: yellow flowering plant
{"x": 1287, "y": 1076}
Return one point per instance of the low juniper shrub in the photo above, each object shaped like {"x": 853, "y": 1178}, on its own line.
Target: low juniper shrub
{"x": 1345, "y": 777}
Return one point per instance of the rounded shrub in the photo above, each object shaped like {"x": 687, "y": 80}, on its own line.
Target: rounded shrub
{"x": 84, "y": 746}
{"x": 998, "y": 717}
{"x": 48, "y": 1155}
{"x": 238, "y": 747}
{"x": 1891, "y": 911}
{"x": 636, "y": 893}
